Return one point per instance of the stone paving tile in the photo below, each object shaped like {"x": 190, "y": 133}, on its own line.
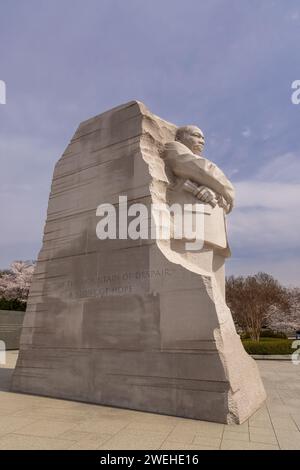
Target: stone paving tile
{"x": 200, "y": 427}
{"x": 86, "y": 444}
{"x": 21, "y": 442}
{"x": 151, "y": 418}
{"x": 21, "y": 402}
{"x": 64, "y": 412}
{"x": 186, "y": 432}
{"x": 236, "y": 436}
{"x": 87, "y": 436}
{"x": 279, "y": 411}
{"x": 261, "y": 425}
{"x": 296, "y": 419}
{"x": 173, "y": 445}
{"x": 9, "y": 424}
{"x": 260, "y": 413}
{"x": 286, "y": 394}
{"x": 132, "y": 440}
{"x": 103, "y": 425}
{"x": 284, "y": 423}
{"x": 240, "y": 428}
{"x": 92, "y": 442}
{"x": 46, "y": 428}
{"x": 11, "y": 404}
{"x": 216, "y": 433}
{"x": 151, "y": 426}
{"x": 182, "y": 435}
{"x": 288, "y": 440}
{"x": 7, "y": 411}
{"x": 260, "y": 419}
{"x": 207, "y": 441}
{"x": 36, "y": 415}
{"x": 264, "y": 436}
{"x": 228, "y": 444}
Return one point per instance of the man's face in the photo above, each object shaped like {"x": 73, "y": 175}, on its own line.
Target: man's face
{"x": 194, "y": 139}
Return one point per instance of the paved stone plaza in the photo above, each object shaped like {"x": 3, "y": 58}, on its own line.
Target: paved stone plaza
{"x": 32, "y": 422}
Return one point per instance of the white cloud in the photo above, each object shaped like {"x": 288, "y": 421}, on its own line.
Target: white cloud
{"x": 283, "y": 168}
{"x": 247, "y": 132}
{"x": 265, "y": 224}
{"x": 273, "y": 225}
{"x": 294, "y": 16}
{"x": 266, "y": 194}
{"x": 266, "y": 238}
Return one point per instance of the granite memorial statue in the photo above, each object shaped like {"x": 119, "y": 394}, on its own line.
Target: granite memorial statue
{"x": 136, "y": 323}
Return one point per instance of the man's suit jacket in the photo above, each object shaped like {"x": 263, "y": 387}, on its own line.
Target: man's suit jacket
{"x": 181, "y": 164}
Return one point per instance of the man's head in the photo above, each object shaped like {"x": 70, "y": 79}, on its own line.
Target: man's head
{"x": 192, "y": 137}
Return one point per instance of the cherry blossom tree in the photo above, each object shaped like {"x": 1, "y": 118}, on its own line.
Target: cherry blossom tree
{"x": 15, "y": 282}
{"x": 287, "y": 320}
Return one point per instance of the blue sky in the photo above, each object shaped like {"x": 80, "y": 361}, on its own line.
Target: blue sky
{"x": 226, "y": 65}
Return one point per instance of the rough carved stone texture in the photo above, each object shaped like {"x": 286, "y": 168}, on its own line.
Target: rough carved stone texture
{"x": 127, "y": 323}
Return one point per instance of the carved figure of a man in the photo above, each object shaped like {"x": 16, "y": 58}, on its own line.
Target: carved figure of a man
{"x": 194, "y": 179}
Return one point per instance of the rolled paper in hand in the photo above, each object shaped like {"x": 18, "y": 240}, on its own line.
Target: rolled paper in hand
{"x": 196, "y": 190}
{"x": 191, "y": 187}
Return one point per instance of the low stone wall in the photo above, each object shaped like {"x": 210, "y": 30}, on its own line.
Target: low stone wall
{"x": 11, "y": 323}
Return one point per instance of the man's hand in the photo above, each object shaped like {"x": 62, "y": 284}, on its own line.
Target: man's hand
{"x": 227, "y": 205}
{"x": 202, "y": 193}
{"x": 206, "y": 195}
